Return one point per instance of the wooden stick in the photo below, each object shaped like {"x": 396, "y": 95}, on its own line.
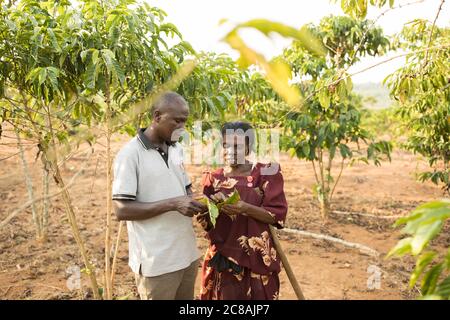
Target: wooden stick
{"x": 116, "y": 250}
{"x": 287, "y": 266}
{"x": 29, "y": 203}
{"x": 362, "y": 214}
{"x": 362, "y": 248}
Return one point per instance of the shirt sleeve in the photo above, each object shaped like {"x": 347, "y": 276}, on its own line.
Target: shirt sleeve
{"x": 274, "y": 199}
{"x": 125, "y": 176}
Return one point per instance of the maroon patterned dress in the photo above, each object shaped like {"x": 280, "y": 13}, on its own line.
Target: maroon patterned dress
{"x": 241, "y": 262}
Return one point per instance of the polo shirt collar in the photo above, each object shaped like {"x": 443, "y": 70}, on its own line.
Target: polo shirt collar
{"x": 146, "y": 142}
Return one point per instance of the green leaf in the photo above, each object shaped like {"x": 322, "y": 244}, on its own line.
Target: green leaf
{"x": 213, "y": 211}
{"x": 112, "y": 65}
{"x": 91, "y": 76}
{"x": 42, "y": 75}
{"x": 422, "y": 262}
{"x": 233, "y": 198}
{"x": 431, "y": 297}
{"x": 277, "y": 72}
{"x": 430, "y": 279}
{"x": 443, "y": 288}
{"x": 324, "y": 99}
{"x": 94, "y": 56}
{"x": 53, "y": 74}
{"x": 306, "y": 149}
{"x": 83, "y": 55}
{"x": 403, "y": 247}
{"x": 447, "y": 260}
{"x": 211, "y": 105}
{"x": 423, "y": 235}
{"x": 53, "y": 40}
{"x": 345, "y": 151}
{"x": 304, "y": 36}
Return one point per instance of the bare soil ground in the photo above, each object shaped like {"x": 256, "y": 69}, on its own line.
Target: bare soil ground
{"x": 325, "y": 270}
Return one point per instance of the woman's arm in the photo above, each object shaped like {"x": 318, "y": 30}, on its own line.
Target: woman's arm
{"x": 247, "y": 209}
{"x": 258, "y": 213}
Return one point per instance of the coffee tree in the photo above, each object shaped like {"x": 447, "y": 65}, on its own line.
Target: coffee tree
{"x": 218, "y": 88}
{"x": 37, "y": 73}
{"x": 69, "y": 73}
{"x": 329, "y": 121}
{"x": 422, "y": 88}
{"x": 125, "y": 58}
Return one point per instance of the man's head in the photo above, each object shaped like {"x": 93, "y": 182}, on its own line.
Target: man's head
{"x": 170, "y": 113}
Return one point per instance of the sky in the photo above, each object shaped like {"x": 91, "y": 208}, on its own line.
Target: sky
{"x": 198, "y": 21}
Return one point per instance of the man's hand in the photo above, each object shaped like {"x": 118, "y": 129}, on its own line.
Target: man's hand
{"x": 188, "y": 206}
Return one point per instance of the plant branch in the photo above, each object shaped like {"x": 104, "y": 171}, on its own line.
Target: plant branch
{"x": 52, "y": 195}
{"x": 362, "y": 248}
{"x": 431, "y": 33}
{"x": 337, "y": 179}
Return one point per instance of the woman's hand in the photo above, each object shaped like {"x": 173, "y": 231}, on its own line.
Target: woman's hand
{"x": 218, "y": 197}
{"x": 234, "y": 209}
{"x": 229, "y": 209}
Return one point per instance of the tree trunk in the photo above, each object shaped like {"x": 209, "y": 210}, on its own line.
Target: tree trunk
{"x": 51, "y": 157}
{"x": 116, "y": 250}
{"x": 45, "y": 202}
{"x": 75, "y": 230}
{"x": 109, "y": 293}
{"x": 29, "y": 184}
{"x": 324, "y": 207}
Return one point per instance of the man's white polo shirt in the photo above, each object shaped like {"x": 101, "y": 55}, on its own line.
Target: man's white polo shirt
{"x": 143, "y": 173}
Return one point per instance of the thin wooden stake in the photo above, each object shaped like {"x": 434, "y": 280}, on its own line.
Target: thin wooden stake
{"x": 287, "y": 266}
{"x": 116, "y": 250}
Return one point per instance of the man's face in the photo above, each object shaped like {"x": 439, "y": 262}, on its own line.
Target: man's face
{"x": 172, "y": 121}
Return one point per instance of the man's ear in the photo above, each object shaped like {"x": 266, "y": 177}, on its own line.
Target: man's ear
{"x": 157, "y": 116}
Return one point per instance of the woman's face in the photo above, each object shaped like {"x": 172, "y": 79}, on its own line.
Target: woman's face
{"x": 234, "y": 149}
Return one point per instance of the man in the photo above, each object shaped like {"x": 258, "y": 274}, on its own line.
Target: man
{"x": 152, "y": 192}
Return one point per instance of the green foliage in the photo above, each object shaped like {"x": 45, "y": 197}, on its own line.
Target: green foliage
{"x": 384, "y": 123}
{"x": 302, "y": 35}
{"x": 127, "y": 56}
{"x": 329, "y": 122}
{"x": 422, "y": 88}
{"x": 276, "y": 71}
{"x": 214, "y": 208}
{"x": 75, "y": 61}
{"x": 217, "y": 88}
{"x": 358, "y": 8}
{"x": 213, "y": 211}
{"x": 346, "y": 40}
{"x": 422, "y": 226}
{"x": 232, "y": 199}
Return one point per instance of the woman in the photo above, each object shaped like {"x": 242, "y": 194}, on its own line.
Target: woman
{"x": 241, "y": 262}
